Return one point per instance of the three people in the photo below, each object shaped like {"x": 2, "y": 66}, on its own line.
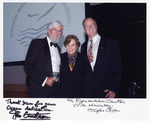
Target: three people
{"x": 95, "y": 73}
{"x": 42, "y": 63}
{"x": 103, "y": 63}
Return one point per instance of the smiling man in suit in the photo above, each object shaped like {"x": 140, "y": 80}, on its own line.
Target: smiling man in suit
{"x": 42, "y": 63}
{"x": 103, "y": 63}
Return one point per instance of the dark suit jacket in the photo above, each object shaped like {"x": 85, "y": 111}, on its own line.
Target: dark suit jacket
{"x": 38, "y": 66}
{"x": 107, "y": 69}
{"x": 71, "y": 82}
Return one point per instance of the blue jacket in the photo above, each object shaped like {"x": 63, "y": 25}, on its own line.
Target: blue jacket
{"x": 71, "y": 82}
{"x": 107, "y": 70}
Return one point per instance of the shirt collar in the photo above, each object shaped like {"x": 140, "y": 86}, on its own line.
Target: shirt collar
{"x": 96, "y": 37}
{"x": 48, "y": 39}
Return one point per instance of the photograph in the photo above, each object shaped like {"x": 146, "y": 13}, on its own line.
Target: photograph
{"x": 88, "y": 59}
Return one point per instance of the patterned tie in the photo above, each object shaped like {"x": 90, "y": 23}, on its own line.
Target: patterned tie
{"x": 90, "y": 56}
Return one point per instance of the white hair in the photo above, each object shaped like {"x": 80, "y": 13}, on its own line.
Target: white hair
{"x": 54, "y": 23}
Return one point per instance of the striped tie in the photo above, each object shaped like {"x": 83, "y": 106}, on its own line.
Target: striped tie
{"x": 90, "y": 56}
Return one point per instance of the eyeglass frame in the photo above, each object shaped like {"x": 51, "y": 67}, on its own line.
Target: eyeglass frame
{"x": 55, "y": 30}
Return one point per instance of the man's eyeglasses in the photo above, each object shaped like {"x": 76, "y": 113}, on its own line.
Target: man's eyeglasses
{"x": 88, "y": 26}
{"x": 55, "y": 30}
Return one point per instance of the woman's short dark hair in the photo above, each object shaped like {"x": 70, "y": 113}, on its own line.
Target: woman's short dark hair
{"x": 68, "y": 40}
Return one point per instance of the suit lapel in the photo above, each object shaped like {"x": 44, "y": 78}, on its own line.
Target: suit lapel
{"x": 100, "y": 53}
{"x": 86, "y": 57}
{"x": 66, "y": 61}
{"x": 48, "y": 64}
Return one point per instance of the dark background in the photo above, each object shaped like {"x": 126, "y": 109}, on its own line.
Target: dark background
{"x": 125, "y": 22}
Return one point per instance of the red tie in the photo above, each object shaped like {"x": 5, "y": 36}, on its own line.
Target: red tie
{"x": 90, "y": 56}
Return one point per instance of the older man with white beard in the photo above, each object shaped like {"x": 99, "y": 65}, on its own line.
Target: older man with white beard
{"x": 42, "y": 63}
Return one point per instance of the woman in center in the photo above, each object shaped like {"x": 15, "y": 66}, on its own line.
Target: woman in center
{"x": 72, "y": 69}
